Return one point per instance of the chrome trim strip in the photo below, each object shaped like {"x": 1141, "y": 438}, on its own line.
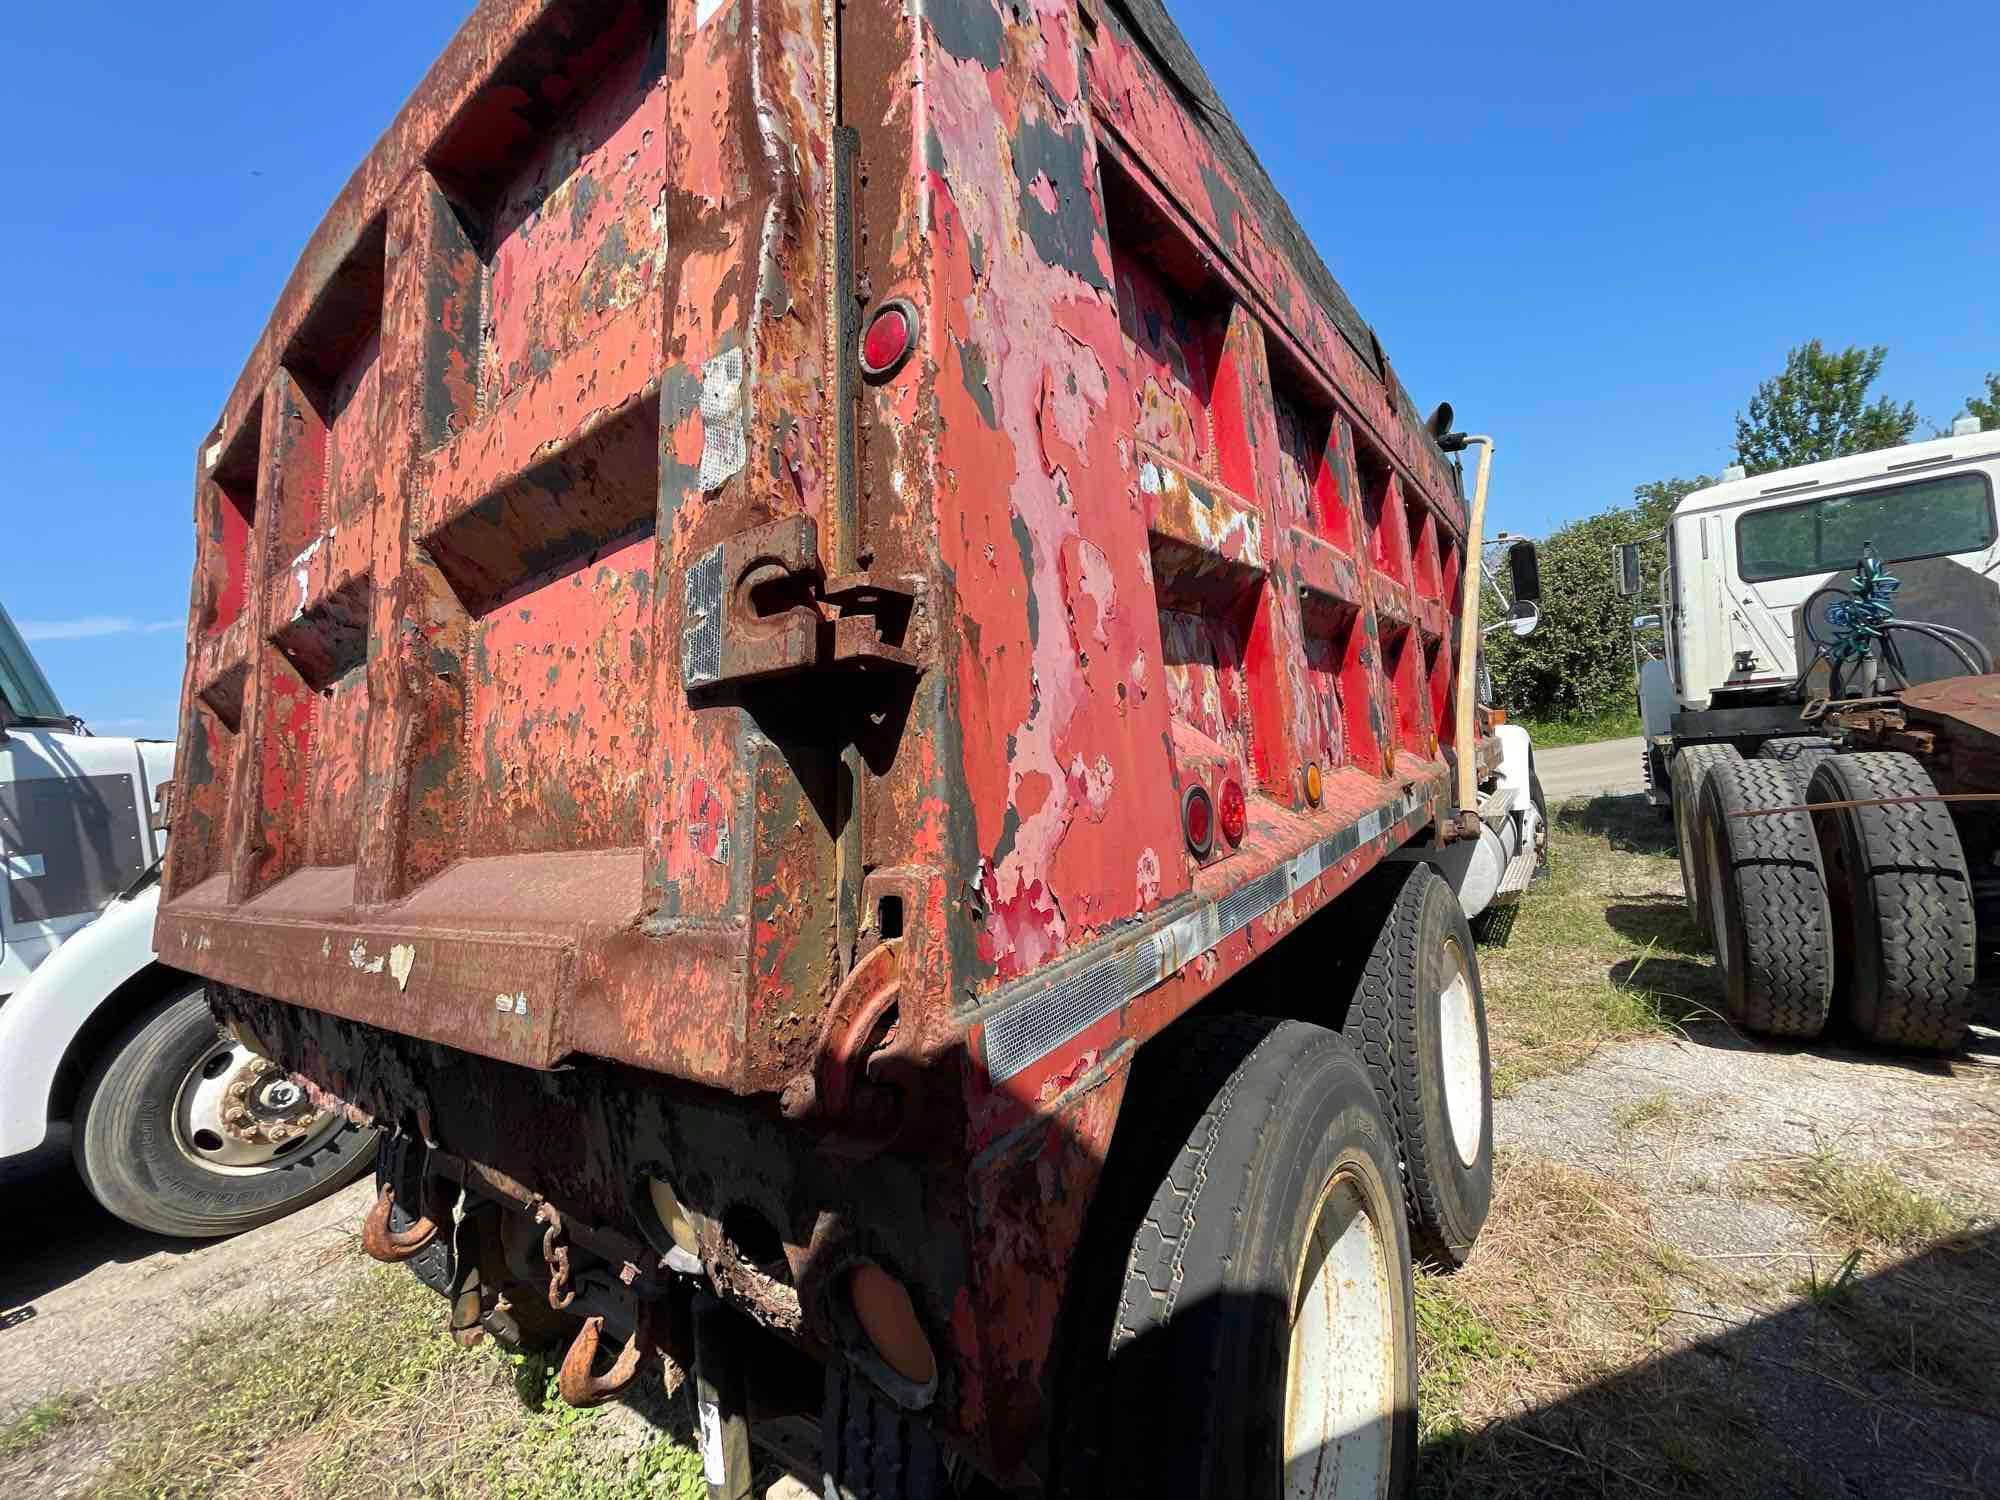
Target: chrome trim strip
{"x": 1030, "y": 1028}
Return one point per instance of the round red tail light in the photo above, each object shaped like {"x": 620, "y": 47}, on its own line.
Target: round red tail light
{"x": 891, "y": 335}
{"x": 1198, "y": 820}
{"x": 1235, "y": 813}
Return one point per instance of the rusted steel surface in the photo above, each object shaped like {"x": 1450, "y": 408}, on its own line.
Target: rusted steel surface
{"x": 392, "y": 1245}
{"x": 1964, "y": 707}
{"x": 592, "y": 669}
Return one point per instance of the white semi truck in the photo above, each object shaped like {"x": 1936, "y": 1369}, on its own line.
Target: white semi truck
{"x": 1829, "y": 637}
{"x": 175, "y": 1126}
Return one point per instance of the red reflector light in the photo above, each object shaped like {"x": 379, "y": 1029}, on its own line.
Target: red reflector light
{"x": 1235, "y": 813}
{"x": 1198, "y": 820}
{"x": 891, "y": 334}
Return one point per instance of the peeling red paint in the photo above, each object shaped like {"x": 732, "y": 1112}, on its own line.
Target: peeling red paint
{"x": 576, "y": 634}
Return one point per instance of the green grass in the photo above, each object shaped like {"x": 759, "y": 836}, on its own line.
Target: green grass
{"x": 362, "y": 1395}
{"x": 1635, "y": 1115}
{"x": 1584, "y": 729}
{"x": 30, "y": 1427}
{"x": 1601, "y": 950}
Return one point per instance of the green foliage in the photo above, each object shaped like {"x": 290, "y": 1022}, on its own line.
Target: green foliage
{"x": 1620, "y": 721}
{"x": 1578, "y": 664}
{"x": 1987, "y": 407}
{"x": 1817, "y": 407}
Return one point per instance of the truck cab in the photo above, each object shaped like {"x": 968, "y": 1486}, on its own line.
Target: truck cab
{"x": 76, "y": 815}
{"x": 175, "y": 1128}
{"x": 1746, "y": 557}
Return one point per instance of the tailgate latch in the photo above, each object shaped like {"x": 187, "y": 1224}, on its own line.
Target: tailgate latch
{"x": 759, "y": 605}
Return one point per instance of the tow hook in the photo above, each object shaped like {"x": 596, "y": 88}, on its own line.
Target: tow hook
{"x": 392, "y": 1246}
{"x": 579, "y": 1385}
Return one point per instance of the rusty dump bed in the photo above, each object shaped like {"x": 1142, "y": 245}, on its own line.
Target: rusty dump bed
{"x": 620, "y": 729}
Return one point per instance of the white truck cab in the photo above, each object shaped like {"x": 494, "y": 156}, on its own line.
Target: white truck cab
{"x": 174, "y": 1126}
{"x": 1745, "y": 558}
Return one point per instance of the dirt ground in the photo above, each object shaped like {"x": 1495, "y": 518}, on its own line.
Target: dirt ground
{"x": 1713, "y": 1267}
{"x": 86, "y": 1300}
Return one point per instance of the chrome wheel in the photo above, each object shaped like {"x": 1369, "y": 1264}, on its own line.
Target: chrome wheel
{"x": 238, "y": 1112}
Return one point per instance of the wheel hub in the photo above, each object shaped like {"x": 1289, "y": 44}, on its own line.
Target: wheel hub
{"x": 238, "y": 1111}
{"x": 1341, "y": 1371}
{"x": 1458, "y": 1041}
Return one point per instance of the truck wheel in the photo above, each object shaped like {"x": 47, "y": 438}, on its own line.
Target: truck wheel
{"x": 1691, "y": 767}
{"x": 1263, "y": 1339}
{"x": 1800, "y": 755}
{"x": 182, "y": 1130}
{"x": 1896, "y": 878}
{"x": 870, "y": 1450}
{"x": 1773, "y": 931}
{"x": 1418, "y": 1020}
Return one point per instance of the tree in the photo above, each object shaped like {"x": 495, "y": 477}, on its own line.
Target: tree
{"x": 1578, "y": 663}
{"x": 1986, "y": 407}
{"x": 1818, "y": 407}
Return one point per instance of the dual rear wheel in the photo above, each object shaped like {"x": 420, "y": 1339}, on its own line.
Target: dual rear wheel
{"x": 1271, "y": 1183}
{"x": 1856, "y": 913}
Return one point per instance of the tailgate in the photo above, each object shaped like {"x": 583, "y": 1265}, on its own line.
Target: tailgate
{"x": 442, "y": 773}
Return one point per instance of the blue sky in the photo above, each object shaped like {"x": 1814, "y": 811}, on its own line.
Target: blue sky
{"x": 1593, "y": 230}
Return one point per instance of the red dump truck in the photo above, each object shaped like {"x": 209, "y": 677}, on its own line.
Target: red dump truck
{"x": 830, "y": 675}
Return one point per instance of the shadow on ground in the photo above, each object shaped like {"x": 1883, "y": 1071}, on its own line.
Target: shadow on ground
{"x": 1882, "y": 1385}
{"x": 52, "y": 1232}
{"x": 1628, "y": 823}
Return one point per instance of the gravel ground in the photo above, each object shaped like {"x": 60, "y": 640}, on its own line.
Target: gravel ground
{"x": 1700, "y": 1126}
{"x": 87, "y": 1301}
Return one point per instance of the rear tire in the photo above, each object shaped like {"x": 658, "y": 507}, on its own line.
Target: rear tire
{"x": 1773, "y": 930}
{"x": 1263, "y": 1339}
{"x": 1690, "y": 771}
{"x": 1418, "y": 1019}
{"x": 1799, "y": 754}
{"x": 870, "y": 1450}
{"x": 132, "y": 1148}
{"x": 1897, "y": 880}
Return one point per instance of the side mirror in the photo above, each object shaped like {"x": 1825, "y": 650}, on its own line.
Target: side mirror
{"x": 1645, "y": 622}
{"x": 1627, "y": 556}
{"x": 1522, "y": 616}
{"x": 1525, "y": 566}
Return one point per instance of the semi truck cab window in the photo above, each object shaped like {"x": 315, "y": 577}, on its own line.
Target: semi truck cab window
{"x": 1924, "y": 518}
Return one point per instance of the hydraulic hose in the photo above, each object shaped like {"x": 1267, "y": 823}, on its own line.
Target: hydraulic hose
{"x": 1944, "y": 637}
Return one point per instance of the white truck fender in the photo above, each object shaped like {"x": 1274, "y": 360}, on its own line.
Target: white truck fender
{"x": 41, "y": 1019}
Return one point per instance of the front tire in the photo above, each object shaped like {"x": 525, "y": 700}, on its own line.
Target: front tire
{"x": 166, "y": 1139}
{"x": 1418, "y": 1019}
{"x": 1264, "y": 1335}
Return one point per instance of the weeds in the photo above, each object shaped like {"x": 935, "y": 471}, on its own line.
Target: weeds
{"x": 1601, "y": 951}
{"x": 38, "y": 1421}
{"x": 1866, "y": 1203}
{"x": 363, "y": 1394}
{"x": 1540, "y": 1362}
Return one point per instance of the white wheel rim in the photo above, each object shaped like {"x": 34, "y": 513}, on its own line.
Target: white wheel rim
{"x": 1340, "y": 1379}
{"x": 1464, "y": 1079}
{"x": 234, "y": 1113}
